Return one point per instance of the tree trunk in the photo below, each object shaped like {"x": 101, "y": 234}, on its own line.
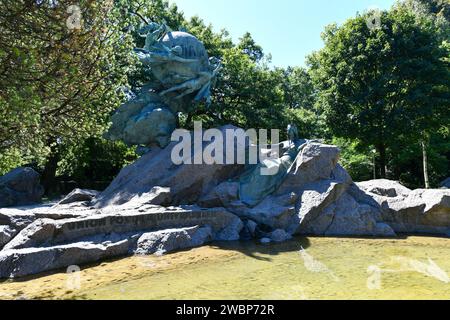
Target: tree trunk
{"x": 425, "y": 165}
{"x": 48, "y": 178}
{"x": 374, "y": 167}
{"x": 381, "y": 148}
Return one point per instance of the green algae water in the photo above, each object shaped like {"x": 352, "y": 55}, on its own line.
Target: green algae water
{"x": 302, "y": 269}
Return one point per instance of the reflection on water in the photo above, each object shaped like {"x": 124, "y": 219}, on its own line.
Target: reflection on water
{"x": 312, "y": 268}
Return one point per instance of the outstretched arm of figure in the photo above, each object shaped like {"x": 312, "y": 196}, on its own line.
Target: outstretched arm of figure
{"x": 187, "y": 87}
{"x": 153, "y": 38}
{"x": 152, "y": 58}
{"x": 204, "y": 92}
{"x": 185, "y": 93}
{"x": 173, "y": 89}
{"x": 176, "y": 58}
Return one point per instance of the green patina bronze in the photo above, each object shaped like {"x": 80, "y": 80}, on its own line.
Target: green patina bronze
{"x": 255, "y": 186}
{"x": 184, "y": 74}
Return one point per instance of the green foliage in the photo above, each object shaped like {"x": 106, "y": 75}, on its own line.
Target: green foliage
{"x": 355, "y": 158}
{"x": 298, "y": 88}
{"x": 58, "y": 82}
{"x": 406, "y": 161}
{"x": 94, "y": 160}
{"x": 309, "y": 124}
{"x": 249, "y": 47}
{"x": 10, "y": 160}
{"x": 438, "y": 8}
{"x": 377, "y": 85}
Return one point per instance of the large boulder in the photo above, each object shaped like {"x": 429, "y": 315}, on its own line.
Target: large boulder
{"x": 155, "y": 170}
{"x": 335, "y": 212}
{"x": 114, "y": 232}
{"x": 407, "y": 211}
{"x": 161, "y": 242}
{"x": 347, "y": 217}
{"x": 384, "y": 188}
{"x": 30, "y": 261}
{"x": 314, "y": 200}
{"x": 316, "y": 197}
{"x": 316, "y": 162}
{"x": 20, "y": 187}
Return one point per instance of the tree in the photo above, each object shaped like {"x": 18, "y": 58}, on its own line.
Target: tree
{"x": 61, "y": 67}
{"x": 93, "y": 162}
{"x": 250, "y": 48}
{"x": 376, "y": 85}
{"x": 356, "y": 158}
{"x": 439, "y": 8}
{"x": 298, "y": 88}
{"x": 439, "y": 12}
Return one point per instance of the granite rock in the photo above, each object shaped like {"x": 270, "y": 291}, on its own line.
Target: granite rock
{"x": 6, "y": 234}
{"x": 188, "y": 183}
{"x": 20, "y": 187}
{"x": 30, "y": 261}
{"x": 79, "y": 195}
{"x": 165, "y": 241}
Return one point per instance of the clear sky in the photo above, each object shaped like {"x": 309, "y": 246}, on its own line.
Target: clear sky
{"x": 288, "y": 29}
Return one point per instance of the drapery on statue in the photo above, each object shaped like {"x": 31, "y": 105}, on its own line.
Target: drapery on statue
{"x": 184, "y": 75}
{"x": 292, "y": 133}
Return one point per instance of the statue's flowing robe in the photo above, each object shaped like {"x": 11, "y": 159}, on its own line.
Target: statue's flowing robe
{"x": 254, "y": 187}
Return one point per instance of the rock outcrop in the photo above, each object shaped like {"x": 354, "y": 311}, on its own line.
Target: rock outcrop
{"x": 20, "y": 187}
{"x": 411, "y": 211}
{"x": 29, "y": 261}
{"x": 384, "y": 188}
{"x": 155, "y": 207}
{"x": 170, "y": 240}
{"x": 155, "y": 172}
{"x": 316, "y": 198}
{"x": 44, "y": 232}
{"x": 114, "y": 232}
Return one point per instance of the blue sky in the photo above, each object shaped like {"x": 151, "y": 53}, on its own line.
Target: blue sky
{"x": 288, "y": 29}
